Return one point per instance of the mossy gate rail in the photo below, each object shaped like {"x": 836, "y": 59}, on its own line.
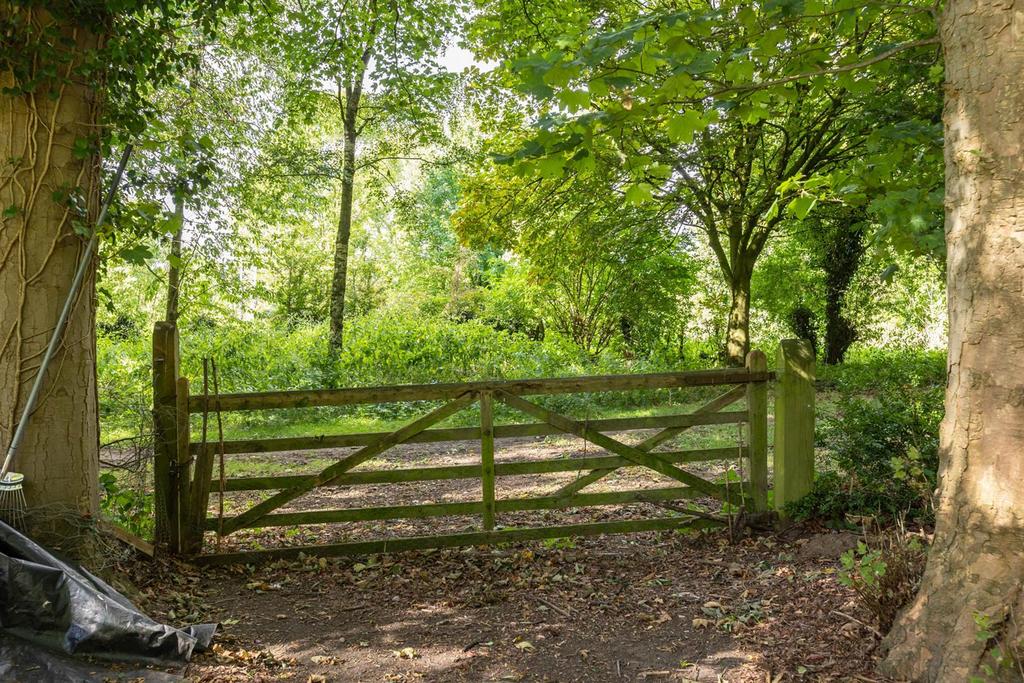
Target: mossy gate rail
{"x": 183, "y": 470}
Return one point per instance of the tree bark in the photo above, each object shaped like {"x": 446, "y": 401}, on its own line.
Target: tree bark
{"x": 44, "y": 189}
{"x": 340, "y": 276}
{"x": 174, "y": 267}
{"x": 349, "y": 95}
{"x": 976, "y": 564}
{"x": 737, "y": 337}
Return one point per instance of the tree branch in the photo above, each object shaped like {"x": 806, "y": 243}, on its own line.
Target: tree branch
{"x": 880, "y": 57}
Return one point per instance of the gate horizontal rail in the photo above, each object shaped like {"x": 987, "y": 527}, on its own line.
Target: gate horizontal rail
{"x": 501, "y": 469}
{"x": 448, "y": 391}
{"x": 495, "y": 537}
{"x": 184, "y": 469}
{"x": 476, "y": 507}
{"x": 618, "y": 424}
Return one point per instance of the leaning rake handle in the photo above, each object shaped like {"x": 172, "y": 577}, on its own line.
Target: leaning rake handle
{"x": 65, "y": 313}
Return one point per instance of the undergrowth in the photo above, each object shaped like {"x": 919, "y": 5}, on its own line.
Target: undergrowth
{"x": 879, "y": 440}
{"x": 885, "y": 577}
{"x": 379, "y": 350}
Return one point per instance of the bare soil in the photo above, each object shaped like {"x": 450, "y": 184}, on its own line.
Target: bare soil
{"x": 667, "y": 606}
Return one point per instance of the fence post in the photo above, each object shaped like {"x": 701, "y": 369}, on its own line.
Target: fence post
{"x": 165, "y": 429}
{"x": 794, "y": 422}
{"x": 183, "y": 470}
{"x": 757, "y": 443}
{"x": 487, "y": 457}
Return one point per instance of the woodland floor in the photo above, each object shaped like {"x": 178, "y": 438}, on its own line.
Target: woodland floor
{"x": 664, "y": 606}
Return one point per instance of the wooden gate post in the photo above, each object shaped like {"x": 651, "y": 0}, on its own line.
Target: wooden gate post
{"x": 757, "y": 414}
{"x": 794, "y": 422}
{"x": 165, "y": 428}
{"x": 487, "y": 457}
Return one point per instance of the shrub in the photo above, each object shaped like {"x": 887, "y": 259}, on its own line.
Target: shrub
{"x": 881, "y": 437}
{"x": 887, "y": 446}
{"x": 874, "y": 370}
{"x": 130, "y": 508}
{"x": 828, "y": 499}
{"x": 124, "y": 380}
{"x": 885, "y": 578}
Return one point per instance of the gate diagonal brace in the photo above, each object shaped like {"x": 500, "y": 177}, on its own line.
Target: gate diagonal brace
{"x": 652, "y": 442}
{"x": 257, "y": 512}
{"x": 571, "y": 426}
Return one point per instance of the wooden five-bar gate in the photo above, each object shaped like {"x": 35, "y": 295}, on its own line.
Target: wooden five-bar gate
{"x": 184, "y": 470}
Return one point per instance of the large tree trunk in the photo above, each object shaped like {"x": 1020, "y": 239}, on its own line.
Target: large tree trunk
{"x": 976, "y": 564}
{"x": 340, "y": 277}
{"x": 38, "y": 255}
{"x": 737, "y": 336}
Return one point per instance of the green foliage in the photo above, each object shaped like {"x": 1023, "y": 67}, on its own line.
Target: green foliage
{"x": 1002, "y": 660}
{"x": 127, "y": 507}
{"x": 125, "y": 49}
{"x": 886, "y": 577}
{"x": 828, "y": 499}
{"x": 882, "y": 439}
{"x": 385, "y": 348}
{"x": 888, "y": 447}
{"x": 875, "y": 369}
{"x": 124, "y": 378}
{"x": 744, "y": 118}
{"x": 602, "y": 268}
{"x": 510, "y": 304}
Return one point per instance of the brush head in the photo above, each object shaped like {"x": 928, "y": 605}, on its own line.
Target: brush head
{"x": 12, "y": 481}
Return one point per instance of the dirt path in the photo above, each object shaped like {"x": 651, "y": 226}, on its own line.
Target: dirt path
{"x": 618, "y": 608}
{"x": 651, "y": 606}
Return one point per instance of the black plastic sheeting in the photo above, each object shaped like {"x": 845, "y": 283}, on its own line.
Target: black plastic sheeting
{"x": 49, "y": 604}
{"x": 22, "y": 662}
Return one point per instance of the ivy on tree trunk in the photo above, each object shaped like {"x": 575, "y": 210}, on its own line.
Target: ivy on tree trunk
{"x": 50, "y": 195}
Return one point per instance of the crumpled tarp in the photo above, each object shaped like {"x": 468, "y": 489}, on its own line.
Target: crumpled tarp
{"x": 22, "y": 662}
{"x": 61, "y": 607}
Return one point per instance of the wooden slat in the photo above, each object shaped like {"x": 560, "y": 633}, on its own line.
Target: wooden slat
{"x": 369, "y": 451}
{"x": 618, "y": 424}
{"x": 203, "y": 473}
{"x": 652, "y": 442}
{"x": 473, "y": 507}
{"x": 125, "y": 536}
{"x": 585, "y": 431}
{"x": 457, "y": 540}
{"x": 438, "y": 392}
{"x": 501, "y": 469}
{"x": 360, "y": 514}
